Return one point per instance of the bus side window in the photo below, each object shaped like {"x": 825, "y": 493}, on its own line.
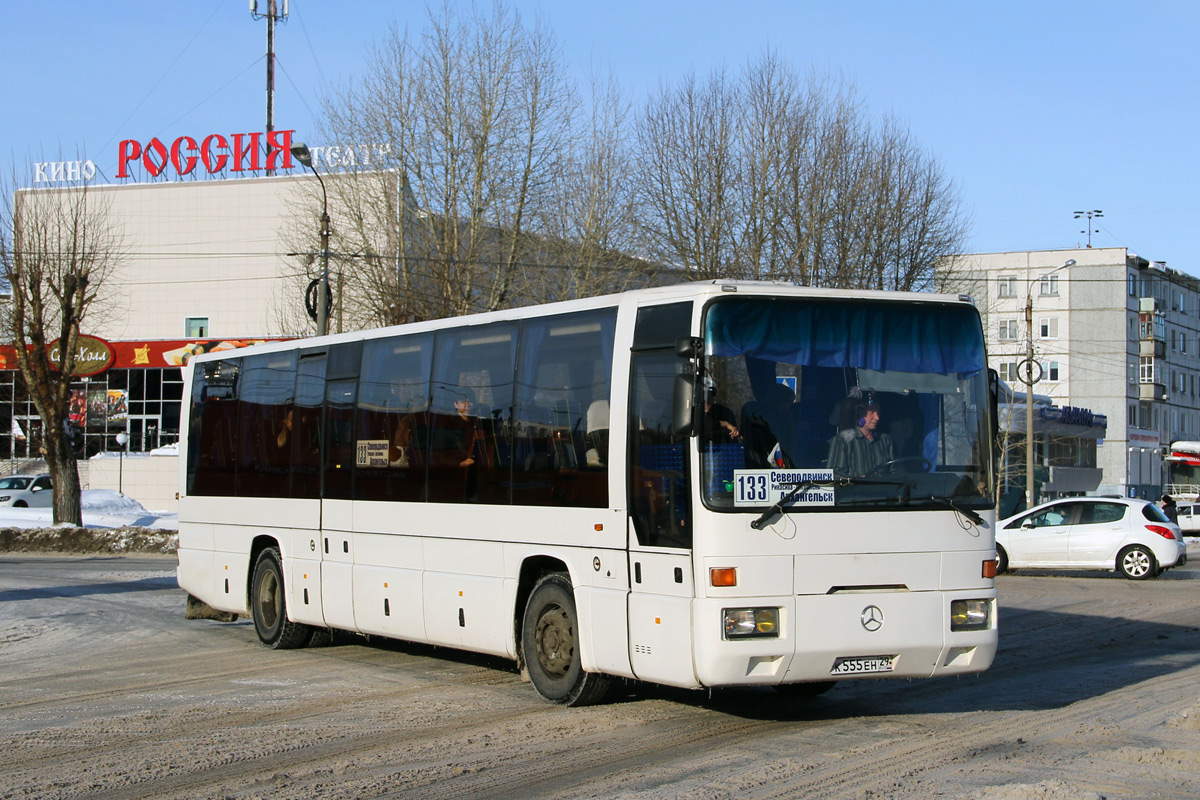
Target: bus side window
{"x": 213, "y": 434}
{"x": 658, "y": 458}
{"x": 393, "y": 419}
{"x": 472, "y": 398}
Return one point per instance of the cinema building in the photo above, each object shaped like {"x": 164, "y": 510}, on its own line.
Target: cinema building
{"x": 205, "y": 267}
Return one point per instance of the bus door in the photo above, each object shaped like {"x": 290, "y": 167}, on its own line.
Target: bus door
{"x": 303, "y": 424}
{"x": 660, "y": 525}
{"x": 337, "y": 485}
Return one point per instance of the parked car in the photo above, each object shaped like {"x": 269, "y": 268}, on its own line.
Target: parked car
{"x": 1189, "y": 519}
{"x": 27, "y": 491}
{"x": 1132, "y": 536}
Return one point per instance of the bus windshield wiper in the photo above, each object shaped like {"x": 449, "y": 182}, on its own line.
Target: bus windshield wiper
{"x": 800, "y": 486}
{"x": 935, "y": 502}
{"x": 945, "y": 502}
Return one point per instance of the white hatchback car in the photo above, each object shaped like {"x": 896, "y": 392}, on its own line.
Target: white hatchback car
{"x": 1132, "y": 536}
{"x": 1189, "y": 519}
{"x": 27, "y": 491}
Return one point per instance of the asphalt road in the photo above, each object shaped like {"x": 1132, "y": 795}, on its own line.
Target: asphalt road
{"x": 106, "y": 691}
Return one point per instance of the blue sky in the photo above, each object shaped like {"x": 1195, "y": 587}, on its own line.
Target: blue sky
{"x": 1035, "y": 109}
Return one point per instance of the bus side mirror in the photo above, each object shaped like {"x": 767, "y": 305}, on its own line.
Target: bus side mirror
{"x": 689, "y": 346}
{"x": 683, "y": 405}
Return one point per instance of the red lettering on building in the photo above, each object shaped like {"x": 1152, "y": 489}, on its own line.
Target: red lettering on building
{"x": 240, "y": 151}
{"x": 127, "y": 151}
{"x": 214, "y": 152}
{"x": 155, "y": 148}
{"x": 183, "y": 166}
{"x": 279, "y": 143}
{"x": 214, "y": 163}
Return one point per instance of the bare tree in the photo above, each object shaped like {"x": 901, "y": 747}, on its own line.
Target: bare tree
{"x": 771, "y": 176}
{"x": 57, "y": 249}
{"x": 475, "y": 116}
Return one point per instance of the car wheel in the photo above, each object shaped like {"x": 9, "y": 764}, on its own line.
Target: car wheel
{"x": 1137, "y": 563}
{"x": 20, "y": 504}
{"x": 550, "y": 646}
{"x": 1001, "y": 560}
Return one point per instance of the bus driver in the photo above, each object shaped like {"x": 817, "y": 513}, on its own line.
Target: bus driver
{"x": 860, "y": 450}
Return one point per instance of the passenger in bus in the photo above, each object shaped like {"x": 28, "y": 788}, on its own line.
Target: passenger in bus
{"x": 861, "y": 449}
{"x": 456, "y": 447}
{"x": 719, "y": 424}
{"x": 768, "y": 428}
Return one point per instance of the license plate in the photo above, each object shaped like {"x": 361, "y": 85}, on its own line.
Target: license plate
{"x": 858, "y": 665}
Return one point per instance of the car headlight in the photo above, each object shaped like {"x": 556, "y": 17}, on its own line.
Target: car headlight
{"x": 751, "y": 623}
{"x": 970, "y": 615}
{"x": 5, "y": 498}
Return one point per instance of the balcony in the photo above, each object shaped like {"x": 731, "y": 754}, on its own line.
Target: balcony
{"x": 1152, "y": 391}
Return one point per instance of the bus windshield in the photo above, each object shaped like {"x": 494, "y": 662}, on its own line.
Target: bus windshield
{"x": 835, "y": 404}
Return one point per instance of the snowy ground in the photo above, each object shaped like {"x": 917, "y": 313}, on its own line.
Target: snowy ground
{"x": 102, "y": 508}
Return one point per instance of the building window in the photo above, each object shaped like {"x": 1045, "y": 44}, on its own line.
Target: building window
{"x": 1008, "y": 285}
{"x": 1008, "y": 372}
{"x": 1048, "y": 327}
{"x": 195, "y": 327}
{"x": 1146, "y": 369}
{"x": 1132, "y": 416}
{"x": 1008, "y": 330}
{"x": 1049, "y": 286}
{"x": 1133, "y": 284}
{"x": 1132, "y": 372}
{"x": 1053, "y": 371}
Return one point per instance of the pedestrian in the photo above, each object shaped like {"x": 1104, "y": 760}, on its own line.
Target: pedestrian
{"x": 1168, "y": 508}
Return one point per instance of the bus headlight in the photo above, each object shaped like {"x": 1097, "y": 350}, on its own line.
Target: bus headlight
{"x": 750, "y": 623}
{"x": 970, "y": 615}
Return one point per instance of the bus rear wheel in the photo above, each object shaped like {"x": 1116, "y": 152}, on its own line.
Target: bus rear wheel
{"x": 268, "y": 605}
{"x": 550, "y": 645}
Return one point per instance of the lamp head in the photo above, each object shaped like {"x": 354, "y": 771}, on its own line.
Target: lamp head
{"x": 301, "y": 153}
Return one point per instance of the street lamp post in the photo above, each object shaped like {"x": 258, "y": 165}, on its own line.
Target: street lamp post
{"x": 122, "y": 438}
{"x": 301, "y": 152}
{"x": 1029, "y": 381}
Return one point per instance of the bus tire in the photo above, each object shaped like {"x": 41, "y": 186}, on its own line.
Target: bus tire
{"x": 268, "y": 605}
{"x": 550, "y": 645}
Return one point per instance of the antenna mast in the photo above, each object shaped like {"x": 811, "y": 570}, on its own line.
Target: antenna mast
{"x": 270, "y": 15}
{"x": 1089, "y": 214}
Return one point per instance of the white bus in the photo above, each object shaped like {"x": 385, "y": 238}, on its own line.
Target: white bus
{"x": 712, "y": 484}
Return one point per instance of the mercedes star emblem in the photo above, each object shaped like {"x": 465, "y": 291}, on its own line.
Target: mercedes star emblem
{"x": 872, "y": 618}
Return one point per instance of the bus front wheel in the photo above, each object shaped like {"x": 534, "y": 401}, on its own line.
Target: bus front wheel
{"x": 550, "y": 645}
{"x": 268, "y": 606}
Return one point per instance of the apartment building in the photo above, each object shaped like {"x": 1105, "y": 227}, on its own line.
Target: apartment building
{"x": 1112, "y": 334}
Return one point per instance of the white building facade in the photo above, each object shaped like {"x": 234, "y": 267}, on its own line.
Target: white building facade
{"x": 205, "y": 264}
{"x": 1113, "y": 334}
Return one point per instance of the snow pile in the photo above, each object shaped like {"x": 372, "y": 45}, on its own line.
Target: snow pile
{"x": 102, "y": 508}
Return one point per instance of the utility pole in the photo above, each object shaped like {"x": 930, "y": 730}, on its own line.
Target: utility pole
{"x": 272, "y": 14}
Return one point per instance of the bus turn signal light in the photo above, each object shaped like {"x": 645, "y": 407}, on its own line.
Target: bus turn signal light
{"x": 723, "y": 576}
{"x": 989, "y": 568}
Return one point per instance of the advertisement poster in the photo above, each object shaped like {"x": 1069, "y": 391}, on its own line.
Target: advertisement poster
{"x": 78, "y": 413}
{"x": 118, "y": 405}
{"x": 97, "y": 409}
